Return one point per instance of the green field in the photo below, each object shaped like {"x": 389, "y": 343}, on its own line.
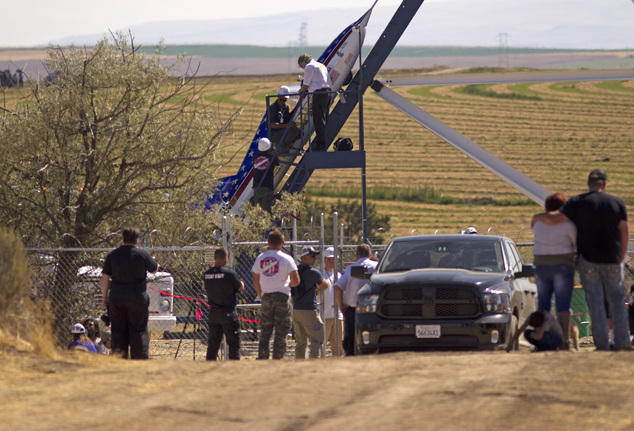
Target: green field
{"x": 553, "y": 132}
{"x": 253, "y": 51}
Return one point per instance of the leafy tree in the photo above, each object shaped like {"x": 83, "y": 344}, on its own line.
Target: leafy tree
{"x": 349, "y": 213}
{"x": 112, "y": 141}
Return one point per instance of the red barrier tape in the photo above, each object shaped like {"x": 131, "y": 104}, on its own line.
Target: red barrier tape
{"x": 199, "y": 313}
{"x": 197, "y": 300}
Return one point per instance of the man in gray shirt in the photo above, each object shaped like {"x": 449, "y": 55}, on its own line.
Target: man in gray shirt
{"x": 306, "y": 319}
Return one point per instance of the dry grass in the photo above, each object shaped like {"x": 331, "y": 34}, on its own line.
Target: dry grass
{"x": 474, "y": 390}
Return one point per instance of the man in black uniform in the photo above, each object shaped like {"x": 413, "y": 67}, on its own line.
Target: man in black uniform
{"x": 264, "y": 164}
{"x": 123, "y": 286}
{"x": 222, "y": 286}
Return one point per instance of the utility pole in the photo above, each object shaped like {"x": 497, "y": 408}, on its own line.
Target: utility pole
{"x": 364, "y": 204}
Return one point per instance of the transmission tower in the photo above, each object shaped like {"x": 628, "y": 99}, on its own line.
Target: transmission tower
{"x": 302, "y": 40}
{"x": 503, "y": 50}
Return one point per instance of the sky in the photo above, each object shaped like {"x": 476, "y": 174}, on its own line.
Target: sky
{"x": 569, "y": 23}
{"x": 37, "y": 22}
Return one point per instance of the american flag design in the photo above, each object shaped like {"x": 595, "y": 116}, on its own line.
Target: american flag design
{"x": 232, "y": 187}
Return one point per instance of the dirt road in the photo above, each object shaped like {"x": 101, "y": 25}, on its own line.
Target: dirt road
{"x": 435, "y": 391}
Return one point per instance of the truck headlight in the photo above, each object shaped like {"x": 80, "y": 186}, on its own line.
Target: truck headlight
{"x": 367, "y": 303}
{"x": 496, "y": 301}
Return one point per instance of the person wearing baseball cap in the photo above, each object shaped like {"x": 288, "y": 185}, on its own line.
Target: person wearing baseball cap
{"x": 81, "y": 341}
{"x": 264, "y": 163}
{"x": 602, "y": 241}
{"x": 279, "y": 118}
{"x": 306, "y": 319}
{"x": 329, "y": 301}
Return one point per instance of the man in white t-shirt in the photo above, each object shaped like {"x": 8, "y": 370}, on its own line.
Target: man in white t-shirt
{"x": 317, "y": 82}
{"x": 329, "y": 300}
{"x": 274, "y": 273}
{"x": 347, "y": 289}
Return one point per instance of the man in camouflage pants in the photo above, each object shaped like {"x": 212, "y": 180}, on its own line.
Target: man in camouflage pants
{"x": 274, "y": 273}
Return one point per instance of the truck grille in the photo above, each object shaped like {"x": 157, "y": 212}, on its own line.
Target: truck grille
{"x": 429, "y": 302}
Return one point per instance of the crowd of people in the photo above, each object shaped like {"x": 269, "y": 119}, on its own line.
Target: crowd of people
{"x": 289, "y": 296}
{"x": 588, "y": 232}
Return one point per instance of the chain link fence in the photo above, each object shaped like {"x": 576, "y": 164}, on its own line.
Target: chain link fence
{"x": 69, "y": 280}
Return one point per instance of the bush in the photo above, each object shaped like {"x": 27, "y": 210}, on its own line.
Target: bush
{"x": 14, "y": 273}
{"x": 24, "y": 323}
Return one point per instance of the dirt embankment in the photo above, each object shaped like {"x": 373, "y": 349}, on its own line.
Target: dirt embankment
{"x": 435, "y": 390}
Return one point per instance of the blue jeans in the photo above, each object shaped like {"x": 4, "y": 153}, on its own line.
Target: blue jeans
{"x": 559, "y": 279}
{"x": 550, "y": 340}
{"x": 603, "y": 281}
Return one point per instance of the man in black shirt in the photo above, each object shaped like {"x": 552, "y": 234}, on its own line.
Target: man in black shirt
{"x": 222, "y": 286}
{"x": 123, "y": 286}
{"x": 306, "y": 319}
{"x": 602, "y": 240}
{"x": 280, "y": 121}
{"x": 264, "y": 164}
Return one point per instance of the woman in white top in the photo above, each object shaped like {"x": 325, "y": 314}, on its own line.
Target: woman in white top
{"x": 554, "y": 257}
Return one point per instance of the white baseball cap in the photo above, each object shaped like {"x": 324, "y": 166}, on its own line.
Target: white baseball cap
{"x": 78, "y": 328}
{"x": 264, "y": 144}
{"x": 283, "y": 92}
{"x": 329, "y": 252}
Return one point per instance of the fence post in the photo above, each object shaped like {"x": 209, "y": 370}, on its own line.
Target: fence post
{"x": 224, "y": 232}
{"x": 225, "y": 245}
{"x": 321, "y": 293}
{"x": 335, "y": 307}
{"x": 231, "y": 254}
{"x": 294, "y": 237}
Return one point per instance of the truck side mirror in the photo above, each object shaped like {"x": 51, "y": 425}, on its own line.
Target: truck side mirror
{"x": 359, "y": 271}
{"x": 527, "y": 271}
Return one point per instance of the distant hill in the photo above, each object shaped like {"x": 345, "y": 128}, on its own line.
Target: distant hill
{"x": 577, "y": 24}
{"x": 254, "y": 51}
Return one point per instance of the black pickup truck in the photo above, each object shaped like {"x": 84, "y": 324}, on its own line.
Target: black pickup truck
{"x": 444, "y": 291}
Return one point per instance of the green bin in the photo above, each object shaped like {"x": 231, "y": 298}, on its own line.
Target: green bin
{"x": 580, "y": 314}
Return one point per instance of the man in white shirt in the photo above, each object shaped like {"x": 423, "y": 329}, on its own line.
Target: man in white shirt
{"x": 347, "y": 289}
{"x": 317, "y": 82}
{"x": 274, "y": 273}
{"x": 330, "y": 300}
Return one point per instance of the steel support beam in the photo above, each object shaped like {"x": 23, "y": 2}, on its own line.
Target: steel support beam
{"x": 362, "y": 79}
{"x": 499, "y": 167}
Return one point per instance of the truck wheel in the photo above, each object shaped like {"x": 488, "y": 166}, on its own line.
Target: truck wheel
{"x": 358, "y": 350}
{"x": 513, "y": 327}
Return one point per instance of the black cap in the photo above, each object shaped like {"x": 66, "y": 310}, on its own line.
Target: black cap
{"x": 309, "y": 250}
{"x": 597, "y": 175}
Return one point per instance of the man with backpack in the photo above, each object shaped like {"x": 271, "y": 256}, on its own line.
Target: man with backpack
{"x": 306, "y": 319}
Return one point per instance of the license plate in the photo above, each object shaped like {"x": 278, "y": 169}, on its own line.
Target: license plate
{"x": 427, "y": 331}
